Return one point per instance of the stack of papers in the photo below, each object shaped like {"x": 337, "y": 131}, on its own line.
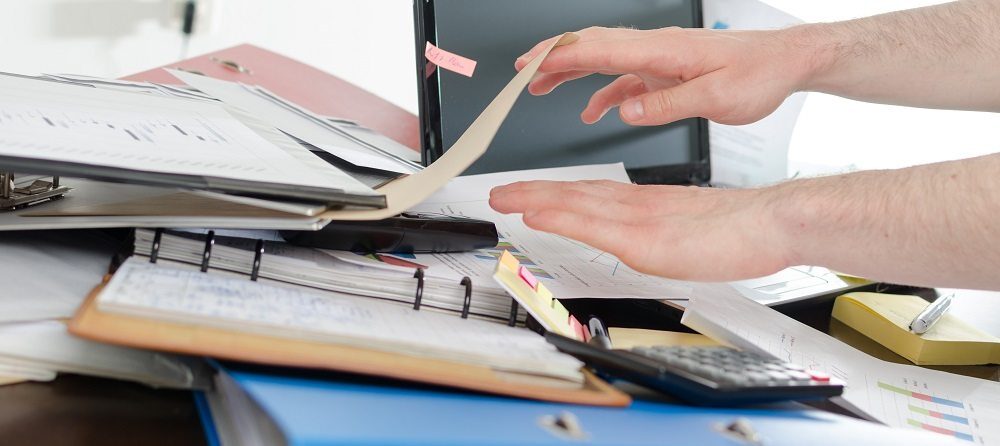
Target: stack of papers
{"x": 46, "y": 276}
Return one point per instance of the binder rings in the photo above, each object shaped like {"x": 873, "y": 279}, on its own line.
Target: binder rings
{"x": 201, "y": 339}
{"x": 245, "y": 255}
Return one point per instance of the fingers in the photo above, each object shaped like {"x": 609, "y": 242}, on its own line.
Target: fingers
{"x": 545, "y": 83}
{"x": 567, "y": 197}
{"x": 697, "y": 97}
{"x": 611, "y": 96}
{"x": 615, "y": 237}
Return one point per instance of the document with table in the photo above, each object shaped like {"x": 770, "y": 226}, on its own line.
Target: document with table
{"x": 899, "y": 395}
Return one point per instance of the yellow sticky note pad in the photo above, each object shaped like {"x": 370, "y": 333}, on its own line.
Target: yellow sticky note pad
{"x": 885, "y": 318}
{"x": 536, "y": 299}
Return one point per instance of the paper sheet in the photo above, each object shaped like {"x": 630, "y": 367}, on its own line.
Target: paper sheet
{"x": 47, "y": 345}
{"x": 90, "y": 126}
{"x": 291, "y": 121}
{"x": 274, "y": 309}
{"x": 753, "y": 154}
{"x": 404, "y": 193}
{"x": 899, "y": 395}
{"x": 46, "y": 275}
{"x": 570, "y": 269}
{"x": 94, "y": 204}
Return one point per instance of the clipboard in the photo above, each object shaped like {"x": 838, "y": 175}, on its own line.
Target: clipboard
{"x": 133, "y": 331}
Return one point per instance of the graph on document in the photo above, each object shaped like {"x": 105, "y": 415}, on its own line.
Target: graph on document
{"x": 491, "y": 255}
{"x": 917, "y": 406}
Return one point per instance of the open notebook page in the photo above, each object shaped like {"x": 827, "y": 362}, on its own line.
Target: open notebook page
{"x": 236, "y": 303}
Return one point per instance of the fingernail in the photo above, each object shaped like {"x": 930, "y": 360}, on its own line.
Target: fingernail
{"x": 633, "y": 110}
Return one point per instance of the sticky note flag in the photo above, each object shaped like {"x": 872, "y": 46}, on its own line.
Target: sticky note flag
{"x": 449, "y": 61}
{"x": 581, "y": 332}
{"x": 528, "y": 277}
{"x": 544, "y": 294}
{"x": 507, "y": 260}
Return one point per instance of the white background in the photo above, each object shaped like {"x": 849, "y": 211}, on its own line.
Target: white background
{"x": 370, "y": 44}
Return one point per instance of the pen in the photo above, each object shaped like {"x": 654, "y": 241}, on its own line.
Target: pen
{"x": 598, "y": 332}
{"x": 931, "y": 314}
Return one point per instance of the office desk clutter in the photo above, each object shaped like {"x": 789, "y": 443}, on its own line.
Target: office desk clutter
{"x": 341, "y": 347}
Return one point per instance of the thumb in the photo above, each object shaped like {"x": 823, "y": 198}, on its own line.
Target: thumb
{"x": 695, "y": 98}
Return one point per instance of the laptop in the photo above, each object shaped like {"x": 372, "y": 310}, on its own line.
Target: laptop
{"x": 546, "y": 131}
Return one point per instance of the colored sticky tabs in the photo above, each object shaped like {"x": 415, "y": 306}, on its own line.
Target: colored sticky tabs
{"x": 449, "y": 61}
{"x": 508, "y": 261}
{"x": 559, "y": 312}
{"x": 528, "y": 277}
{"x": 581, "y": 331}
{"x": 544, "y": 294}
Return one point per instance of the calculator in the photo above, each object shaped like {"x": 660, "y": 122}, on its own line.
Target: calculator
{"x": 705, "y": 375}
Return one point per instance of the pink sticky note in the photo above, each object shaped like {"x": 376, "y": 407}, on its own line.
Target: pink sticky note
{"x": 449, "y": 61}
{"x": 528, "y": 277}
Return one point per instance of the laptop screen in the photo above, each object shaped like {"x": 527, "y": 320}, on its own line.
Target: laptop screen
{"x": 546, "y": 131}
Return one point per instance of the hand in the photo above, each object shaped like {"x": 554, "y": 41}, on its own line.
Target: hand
{"x": 730, "y": 77}
{"x": 687, "y": 233}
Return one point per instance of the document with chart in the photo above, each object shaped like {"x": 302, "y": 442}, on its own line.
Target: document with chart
{"x": 569, "y": 268}
{"x": 50, "y": 127}
{"x": 900, "y": 395}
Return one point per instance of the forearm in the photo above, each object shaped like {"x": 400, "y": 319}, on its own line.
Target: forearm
{"x": 932, "y": 225}
{"x": 943, "y": 56}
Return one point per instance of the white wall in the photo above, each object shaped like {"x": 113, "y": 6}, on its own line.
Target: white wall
{"x": 370, "y": 44}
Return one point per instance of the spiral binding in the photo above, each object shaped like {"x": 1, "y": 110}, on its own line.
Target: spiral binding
{"x": 206, "y": 258}
{"x": 257, "y": 256}
{"x": 155, "y": 254}
{"x": 513, "y": 313}
{"x": 206, "y": 255}
{"x": 468, "y": 296}
{"x": 419, "y": 275}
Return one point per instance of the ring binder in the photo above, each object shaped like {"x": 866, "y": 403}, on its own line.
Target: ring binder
{"x": 468, "y": 296}
{"x": 155, "y": 252}
{"x": 258, "y": 254}
{"x": 419, "y": 275}
{"x": 206, "y": 255}
{"x": 513, "y": 313}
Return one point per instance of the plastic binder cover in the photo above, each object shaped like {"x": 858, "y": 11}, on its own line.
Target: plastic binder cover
{"x": 311, "y": 411}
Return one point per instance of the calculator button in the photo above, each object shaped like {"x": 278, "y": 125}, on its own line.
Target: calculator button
{"x": 758, "y": 377}
{"x": 817, "y": 375}
{"x": 798, "y": 377}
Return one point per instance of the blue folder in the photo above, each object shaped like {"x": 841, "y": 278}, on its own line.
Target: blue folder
{"x": 311, "y": 411}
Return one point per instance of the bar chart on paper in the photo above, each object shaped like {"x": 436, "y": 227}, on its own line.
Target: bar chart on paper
{"x": 915, "y": 405}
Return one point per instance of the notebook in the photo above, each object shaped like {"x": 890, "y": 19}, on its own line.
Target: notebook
{"x": 885, "y": 318}
{"x": 264, "y": 254}
{"x": 175, "y": 307}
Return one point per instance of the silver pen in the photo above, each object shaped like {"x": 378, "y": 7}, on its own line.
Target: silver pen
{"x": 931, "y": 314}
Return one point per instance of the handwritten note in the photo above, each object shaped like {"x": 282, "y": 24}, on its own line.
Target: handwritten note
{"x": 271, "y": 309}
{"x": 449, "y": 61}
